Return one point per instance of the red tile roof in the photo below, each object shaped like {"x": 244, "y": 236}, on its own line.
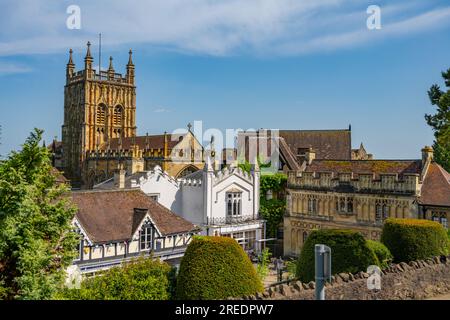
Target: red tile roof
{"x": 436, "y": 187}
{"x": 114, "y": 215}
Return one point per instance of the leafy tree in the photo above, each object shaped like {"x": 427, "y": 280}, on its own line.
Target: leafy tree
{"x": 440, "y": 121}
{"x": 262, "y": 269}
{"x": 36, "y": 238}
{"x": 140, "y": 279}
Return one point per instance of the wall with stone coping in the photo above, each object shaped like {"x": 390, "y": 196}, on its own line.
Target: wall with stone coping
{"x": 414, "y": 280}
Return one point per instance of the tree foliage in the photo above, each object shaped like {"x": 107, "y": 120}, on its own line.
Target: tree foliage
{"x": 140, "y": 279}
{"x": 36, "y": 238}
{"x": 440, "y": 121}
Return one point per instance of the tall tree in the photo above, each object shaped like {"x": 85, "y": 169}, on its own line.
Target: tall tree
{"x": 440, "y": 121}
{"x": 36, "y": 238}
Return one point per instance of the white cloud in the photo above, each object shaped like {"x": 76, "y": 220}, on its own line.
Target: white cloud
{"x": 219, "y": 27}
{"x": 12, "y": 68}
{"x": 161, "y": 110}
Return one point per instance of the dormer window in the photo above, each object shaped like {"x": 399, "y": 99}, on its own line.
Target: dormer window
{"x": 234, "y": 203}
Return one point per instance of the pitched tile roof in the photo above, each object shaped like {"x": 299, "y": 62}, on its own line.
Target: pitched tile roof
{"x": 376, "y": 167}
{"x": 114, "y": 215}
{"x": 144, "y": 142}
{"x": 328, "y": 144}
{"x": 436, "y": 187}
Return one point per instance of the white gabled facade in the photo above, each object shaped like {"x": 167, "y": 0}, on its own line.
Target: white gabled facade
{"x": 223, "y": 203}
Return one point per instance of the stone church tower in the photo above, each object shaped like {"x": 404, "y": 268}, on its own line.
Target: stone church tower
{"x": 98, "y": 106}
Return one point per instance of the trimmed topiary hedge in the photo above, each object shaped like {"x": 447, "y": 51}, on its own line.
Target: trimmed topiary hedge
{"x": 349, "y": 252}
{"x": 414, "y": 239}
{"x": 216, "y": 268}
{"x": 383, "y": 254}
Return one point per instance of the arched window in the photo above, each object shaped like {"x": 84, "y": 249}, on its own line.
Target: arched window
{"x": 349, "y": 205}
{"x": 117, "y": 116}
{"x": 378, "y": 212}
{"x": 342, "y": 205}
{"x": 385, "y": 211}
{"x": 101, "y": 114}
{"x": 234, "y": 204}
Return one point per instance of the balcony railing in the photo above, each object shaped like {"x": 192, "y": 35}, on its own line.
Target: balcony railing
{"x": 232, "y": 219}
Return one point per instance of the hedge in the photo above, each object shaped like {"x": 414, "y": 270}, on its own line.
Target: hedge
{"x": 383, "y": 254}
{"x": 414, "y": 239}
{"x": 216, "y": 268}
{"x": 349, "y": 252}
{"x": 140, "y": 279}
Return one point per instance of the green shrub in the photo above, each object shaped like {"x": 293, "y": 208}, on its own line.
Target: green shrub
{"x": 383, "y": 254}
{"x": 349, "y": 252}
{"x": 262, "y": 269}
{"x": 216, "y": 268}
{"x": 414, "y": 239}
{"x": 141, "y": 279}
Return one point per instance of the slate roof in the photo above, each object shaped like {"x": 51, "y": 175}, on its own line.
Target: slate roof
{"x": 113, "y": 216}
{"x": 328, "y": 144}
{"x": 436, "y": 187}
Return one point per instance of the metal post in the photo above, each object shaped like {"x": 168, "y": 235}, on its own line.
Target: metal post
{"x": 323, "y": 269}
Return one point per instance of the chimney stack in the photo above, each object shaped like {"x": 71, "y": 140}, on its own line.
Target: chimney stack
{"x": 427, "y": 155}
{"x": 119, "y": 179}
{"x": 310, "y": 155}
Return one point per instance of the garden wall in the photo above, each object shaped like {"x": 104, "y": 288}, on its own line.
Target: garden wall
{"x": 414, "y": 280}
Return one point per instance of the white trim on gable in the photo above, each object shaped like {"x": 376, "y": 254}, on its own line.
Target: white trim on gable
{"x": 144, "y": 219}
{"x": 230, "y": 184}
{"x": 78, "y": 225}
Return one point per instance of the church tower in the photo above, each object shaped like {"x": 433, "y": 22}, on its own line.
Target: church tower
{"x": 98, "y": 106}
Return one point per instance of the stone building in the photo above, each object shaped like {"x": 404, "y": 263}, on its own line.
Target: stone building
{"x": 222, "y": 202}
{"x": 361, "y": 194}
{"x": 295, "y": 147}
{"x": 119, "y": 225}
{"x": 361, "y": 154}
{"x": 99, "y": 131}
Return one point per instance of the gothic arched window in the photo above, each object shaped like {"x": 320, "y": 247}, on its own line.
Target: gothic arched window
{"x": 101, "y": 114}
{"x": 117, "y": 115}
{"x": 234, "y": 203}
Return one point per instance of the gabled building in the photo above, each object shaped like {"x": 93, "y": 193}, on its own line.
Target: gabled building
{"x": 119, "y": 225}
{"x": 295, "y": 147}
{"x": 223, "y": 203}
{"x": 361, "y": 194}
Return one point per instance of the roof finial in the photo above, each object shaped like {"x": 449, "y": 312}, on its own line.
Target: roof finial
{"x": 111, "y": 68}
{"x": 70, "y": 58}
{"x": 130, "y": 60}
{"x": 88, "y": 53}
{"x": 189, "y": 126}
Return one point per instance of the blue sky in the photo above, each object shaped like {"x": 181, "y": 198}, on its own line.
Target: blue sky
{"x": 236, "y": 64}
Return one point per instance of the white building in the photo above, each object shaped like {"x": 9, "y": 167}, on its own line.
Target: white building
{"x": 223, "y": 203}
